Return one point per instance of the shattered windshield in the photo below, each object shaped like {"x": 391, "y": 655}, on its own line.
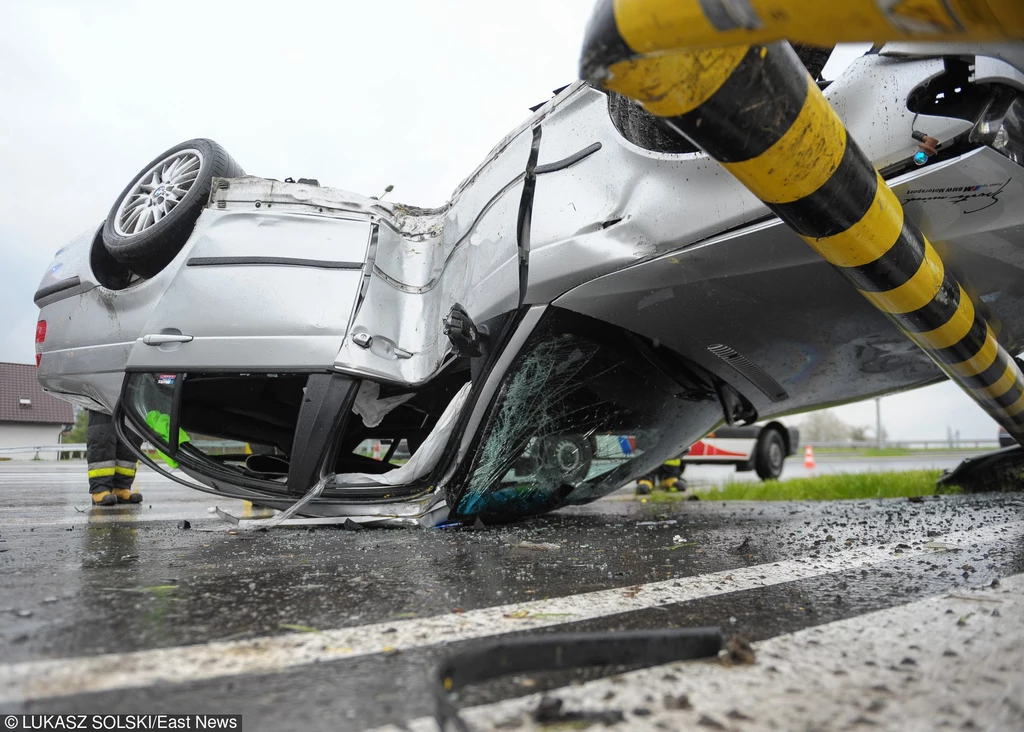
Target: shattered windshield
{"x": 582, "y": 411}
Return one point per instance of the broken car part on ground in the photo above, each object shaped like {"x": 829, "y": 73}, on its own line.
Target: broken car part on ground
{"x": 598, "y": 277}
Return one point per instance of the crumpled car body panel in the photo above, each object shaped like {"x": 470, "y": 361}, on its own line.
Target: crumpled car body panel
{"x": 612, "y": 318}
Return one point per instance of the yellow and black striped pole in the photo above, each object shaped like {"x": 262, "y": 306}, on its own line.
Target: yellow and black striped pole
{"x": 718, "y": 73}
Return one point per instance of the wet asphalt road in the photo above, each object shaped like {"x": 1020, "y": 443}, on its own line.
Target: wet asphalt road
{"x": 77, "y": 585}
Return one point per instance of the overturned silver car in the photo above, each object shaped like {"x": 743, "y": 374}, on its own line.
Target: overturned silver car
{"x": 562, "y": 326}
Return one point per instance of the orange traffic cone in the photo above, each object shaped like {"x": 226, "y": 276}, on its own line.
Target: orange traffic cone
{"x": 809, "y": 458}
{"x": 376, "y": 450}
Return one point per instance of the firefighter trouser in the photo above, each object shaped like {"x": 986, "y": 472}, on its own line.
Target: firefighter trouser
{"x": 668, "y": 472}
{"x": 111, "y": 462}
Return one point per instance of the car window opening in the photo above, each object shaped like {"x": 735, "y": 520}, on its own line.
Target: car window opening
{"x": 417, "y": 463}
{"x": 246, "y": 423}
{"x": 581, "y": 409}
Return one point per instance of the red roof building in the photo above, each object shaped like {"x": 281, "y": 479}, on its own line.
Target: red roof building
{"x": 29, "y": 417}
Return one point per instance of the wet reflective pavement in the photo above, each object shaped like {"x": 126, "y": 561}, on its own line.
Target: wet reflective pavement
{"x": 76, "y": 583}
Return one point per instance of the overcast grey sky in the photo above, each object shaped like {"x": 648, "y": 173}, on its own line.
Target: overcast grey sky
{"x": 358, "y": 95}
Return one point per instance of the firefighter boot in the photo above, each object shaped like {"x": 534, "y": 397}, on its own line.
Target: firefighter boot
{"x": 127, "y": 495}
{"x": 124, "y": 476}
{"x": 104, "y": 498}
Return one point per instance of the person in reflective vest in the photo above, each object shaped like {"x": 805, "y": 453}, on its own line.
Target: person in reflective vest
{"x": 112, "y": 464}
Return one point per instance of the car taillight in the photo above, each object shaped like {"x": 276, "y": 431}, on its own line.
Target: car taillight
{"x": 40, "y": 337}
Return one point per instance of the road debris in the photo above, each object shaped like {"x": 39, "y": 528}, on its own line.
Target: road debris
{"x": 542, "y": 546}
{"x": 679, "y": 702}
{"x": 973, "y": 598}
{"x": 527, "y": 615}
{"x": 549, "y": 711}
{"x": 738, "y": 652}
{"x": 561, "y": 651}
{"x": 298, "y": 628}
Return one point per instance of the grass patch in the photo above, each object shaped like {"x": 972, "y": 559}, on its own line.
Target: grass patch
{"x": 887, "y": 452}
{"x": 835, "y": 487}
{"x": 868, "y": 451}
{"x": 823, "y": 488}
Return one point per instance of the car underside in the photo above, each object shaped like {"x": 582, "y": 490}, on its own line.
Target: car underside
{"x": 597, "y": 296}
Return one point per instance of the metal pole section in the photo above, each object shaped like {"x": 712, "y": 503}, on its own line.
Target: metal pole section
{"x": 756, "y": 110}
{"x": 878, "y": 421}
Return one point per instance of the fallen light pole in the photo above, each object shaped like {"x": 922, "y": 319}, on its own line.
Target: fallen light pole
{"x": 719, "y": 74}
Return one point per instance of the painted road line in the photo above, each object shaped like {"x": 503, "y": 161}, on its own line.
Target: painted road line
{"x": 946, "y": 662}
{"x": 62, "y": 677}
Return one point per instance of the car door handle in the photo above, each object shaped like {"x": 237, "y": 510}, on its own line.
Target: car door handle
{"x": 160, "y": 339}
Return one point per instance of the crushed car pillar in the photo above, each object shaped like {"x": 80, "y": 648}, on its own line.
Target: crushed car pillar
{"x": 719, "y": 74}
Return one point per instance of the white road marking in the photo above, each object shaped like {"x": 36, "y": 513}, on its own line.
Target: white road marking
{"x": 63, "y": 677}
{"x": 947, "y": 662}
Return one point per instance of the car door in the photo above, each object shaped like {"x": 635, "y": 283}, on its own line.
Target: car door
{"x": 261, "y": 289}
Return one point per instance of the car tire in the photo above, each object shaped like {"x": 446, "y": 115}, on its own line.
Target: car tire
{"x": 155, "y": 214}
{"x": 769, "y": 455}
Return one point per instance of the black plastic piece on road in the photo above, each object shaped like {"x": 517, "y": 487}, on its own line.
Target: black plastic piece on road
{"x": 562, "y": 651}
{"x": 999, "y": 470}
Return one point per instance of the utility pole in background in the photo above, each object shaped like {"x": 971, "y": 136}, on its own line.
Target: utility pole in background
{"x": 878, "y": 422}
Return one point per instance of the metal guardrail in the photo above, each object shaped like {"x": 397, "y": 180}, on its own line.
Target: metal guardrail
{"x": 80, "y": 447}
{"x": 955, "y": 444}
{"x": 72, "y": 447}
